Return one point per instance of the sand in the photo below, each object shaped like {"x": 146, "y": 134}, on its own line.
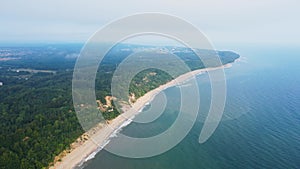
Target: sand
{"x": 99, "y": 137}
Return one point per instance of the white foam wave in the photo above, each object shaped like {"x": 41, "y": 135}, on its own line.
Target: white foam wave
{"x": 114, "y": 134}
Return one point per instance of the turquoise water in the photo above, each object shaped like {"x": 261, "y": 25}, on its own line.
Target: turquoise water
{"x": 260, "y": 126}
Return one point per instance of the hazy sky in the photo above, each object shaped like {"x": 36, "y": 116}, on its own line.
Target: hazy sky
{"x": 231, "y": 21}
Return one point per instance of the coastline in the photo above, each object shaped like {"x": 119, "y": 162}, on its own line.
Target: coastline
{"x": 100, "y": 135}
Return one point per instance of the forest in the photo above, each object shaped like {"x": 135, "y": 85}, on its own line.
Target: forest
{"x": 37, "y": 117}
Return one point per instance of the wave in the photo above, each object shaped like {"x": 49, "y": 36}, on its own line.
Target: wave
{"x": 92, "y": 155}
{"x": 106, "y": 142}
{"x": 116, "y": 131}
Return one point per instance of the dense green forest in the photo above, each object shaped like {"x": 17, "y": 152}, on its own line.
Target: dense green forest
{"x": 37, "y": 118}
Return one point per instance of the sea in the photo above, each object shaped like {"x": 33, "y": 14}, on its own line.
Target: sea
{"x": 260, "y": 127}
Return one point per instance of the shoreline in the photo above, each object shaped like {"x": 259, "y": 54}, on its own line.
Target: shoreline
{"x": 100, "y": 135}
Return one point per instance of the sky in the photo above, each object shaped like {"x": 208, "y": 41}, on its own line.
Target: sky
{"x": 222, "y": 21}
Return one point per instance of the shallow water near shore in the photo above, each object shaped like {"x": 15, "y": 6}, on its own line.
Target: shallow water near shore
{"x": 260, "y": 127}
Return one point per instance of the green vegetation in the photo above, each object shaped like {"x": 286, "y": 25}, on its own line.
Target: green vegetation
{"x": 37, "y": 118}
{"x": 148, "y": 80}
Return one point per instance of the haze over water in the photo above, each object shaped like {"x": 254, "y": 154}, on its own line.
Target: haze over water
{"x": 260, "y": 126}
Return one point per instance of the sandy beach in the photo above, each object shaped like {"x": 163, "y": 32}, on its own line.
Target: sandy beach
{"x": 99, "y": 136}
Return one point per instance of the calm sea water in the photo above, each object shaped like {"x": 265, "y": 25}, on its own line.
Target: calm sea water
{"x": 260, "y": 127}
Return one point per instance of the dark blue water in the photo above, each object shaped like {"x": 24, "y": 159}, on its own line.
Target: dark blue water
{"x": 260, "y": 126}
